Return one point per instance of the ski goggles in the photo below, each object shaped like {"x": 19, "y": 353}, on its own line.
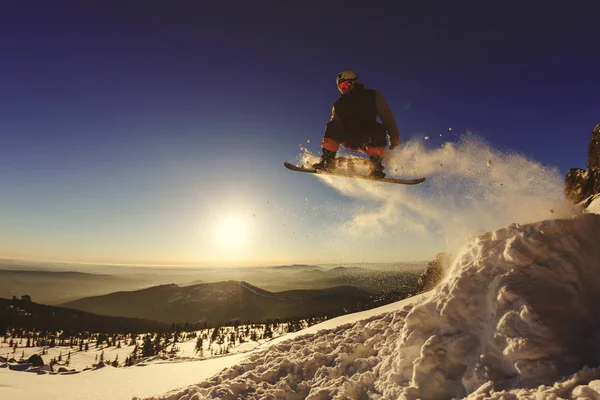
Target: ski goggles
{"x": 345, "y": 86}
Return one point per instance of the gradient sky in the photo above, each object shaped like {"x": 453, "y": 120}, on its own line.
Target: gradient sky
{"x": 129, "y": 130}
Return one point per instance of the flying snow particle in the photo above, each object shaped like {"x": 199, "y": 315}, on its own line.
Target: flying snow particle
{"x": 449, "y": 129}
{"x": 426, "y": 137}
{"x": 307, "y": 140}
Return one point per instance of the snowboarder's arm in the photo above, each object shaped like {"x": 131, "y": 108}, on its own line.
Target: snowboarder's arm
{"x": 388, "y": 120}
{"x": 334, "y": 116}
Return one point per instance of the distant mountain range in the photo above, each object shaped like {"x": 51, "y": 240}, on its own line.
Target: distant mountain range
{"x": 293, "y": 277}
{"x": 52, "y": 286}
{"x": 222, "y": 302}
{"x": 59, "y": 286}
{"x": 29, "y": 315}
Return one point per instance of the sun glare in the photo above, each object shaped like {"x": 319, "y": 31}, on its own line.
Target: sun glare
{"x": 231, "y": 233}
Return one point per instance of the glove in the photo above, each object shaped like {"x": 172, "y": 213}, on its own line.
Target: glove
{"x": 394, "y": 141}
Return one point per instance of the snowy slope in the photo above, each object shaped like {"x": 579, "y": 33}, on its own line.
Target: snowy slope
{"x": 110, "y": 383}
{"x": 594, "y": 206}
{"x": 516, "y": 317}
{"x": 125, "y": 383}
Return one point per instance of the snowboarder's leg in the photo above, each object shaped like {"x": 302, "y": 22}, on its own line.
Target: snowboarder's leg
{"x": 327, "y": 160}
{"x": 376, "y": 167}
{"x": 334, "y": 134}
{"x": 375, "y": 149}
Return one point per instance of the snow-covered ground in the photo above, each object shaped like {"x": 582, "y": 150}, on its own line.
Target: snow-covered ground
{"x": 594, "y": 206}
{"x": 74, "y": 359}
{"x": 516, "y": 317}
{"x": 148, "y": 378}
{"x": 110, "y": 383}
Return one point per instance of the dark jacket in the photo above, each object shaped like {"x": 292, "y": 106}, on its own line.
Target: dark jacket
{"x": 360, "y": 108}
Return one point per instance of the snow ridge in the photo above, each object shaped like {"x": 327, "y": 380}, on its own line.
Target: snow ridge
{"x": 515, "y": 315}
{"x": 518, "y": 309}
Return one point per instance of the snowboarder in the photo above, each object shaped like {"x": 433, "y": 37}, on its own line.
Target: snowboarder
{"x": 354, "y": 125}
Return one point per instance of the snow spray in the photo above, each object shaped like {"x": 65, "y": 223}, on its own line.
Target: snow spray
{"x": 470, "y": 187}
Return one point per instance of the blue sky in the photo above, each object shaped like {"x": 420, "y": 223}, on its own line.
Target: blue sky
{"x": 132, "y": 131}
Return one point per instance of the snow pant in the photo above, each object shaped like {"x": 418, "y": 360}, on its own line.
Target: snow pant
{"x": 370, "y": 140}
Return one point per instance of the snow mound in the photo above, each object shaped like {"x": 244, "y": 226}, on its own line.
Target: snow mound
{"x": 519, "y": 309}
{"x": 516, "y": 317}
{"x": 594, "y": 206}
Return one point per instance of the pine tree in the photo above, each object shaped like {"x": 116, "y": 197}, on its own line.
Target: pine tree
{"x": 215, "y": 334}
{"x": 135, "y": 353}
{"x": 157, "y": 344}
{"x": 199, "y": 344}
{"x": 147, "y": 346}
{"x": 268, "y": 332}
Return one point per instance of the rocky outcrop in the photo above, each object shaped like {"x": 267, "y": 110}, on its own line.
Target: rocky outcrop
{"x": 581, "y": 184}
{"x": 434, "y": 273}
{"x": 36, "y": 360}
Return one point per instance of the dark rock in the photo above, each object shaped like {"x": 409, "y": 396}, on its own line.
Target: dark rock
{"x": 100, "y": 365}
{"x": 594, "y": 149}
{"x": 64, "y": 370}
{"x": 69, "y": 372}
{"x": 578, "y": 185}
{"x": 36, "y": 360}
{"x": 581, "y": 184}
{"x": 19, "y": 366}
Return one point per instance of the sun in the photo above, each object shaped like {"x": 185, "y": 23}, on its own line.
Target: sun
{"x": 231, "y": 233}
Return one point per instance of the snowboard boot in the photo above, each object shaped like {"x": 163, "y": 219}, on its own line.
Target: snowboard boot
{"x": 326, "y": 162}
{"x": 376, "y": 167}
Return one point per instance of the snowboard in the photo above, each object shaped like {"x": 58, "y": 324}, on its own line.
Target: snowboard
{"x": 310, "y": 170}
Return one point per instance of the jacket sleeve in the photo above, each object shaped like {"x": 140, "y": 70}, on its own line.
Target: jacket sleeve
{"x": 384, "y": 112}
{"x": 334, "y": 116}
